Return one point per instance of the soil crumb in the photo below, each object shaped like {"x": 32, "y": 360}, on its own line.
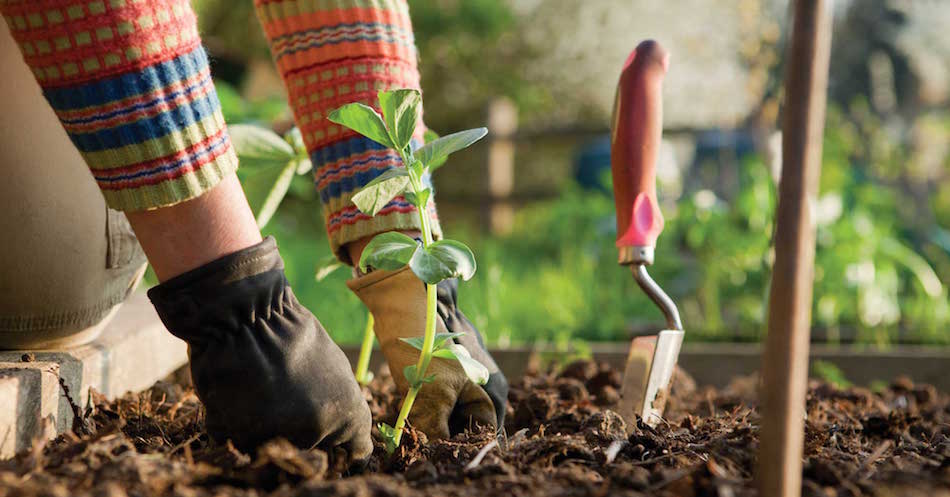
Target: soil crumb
{"x": 561, "y": 438}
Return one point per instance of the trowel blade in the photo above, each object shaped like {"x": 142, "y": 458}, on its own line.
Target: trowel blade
{"x": 646, "y": 378}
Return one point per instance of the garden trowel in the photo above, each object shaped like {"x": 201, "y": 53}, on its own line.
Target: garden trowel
{"x": 635, "y": 142}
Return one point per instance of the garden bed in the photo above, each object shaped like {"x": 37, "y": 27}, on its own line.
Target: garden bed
{"x": 562, "y": 440}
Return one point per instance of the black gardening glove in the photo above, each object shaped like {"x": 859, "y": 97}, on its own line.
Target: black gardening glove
{"x": 456, "y": 322}
{"x": 262, "y": 364}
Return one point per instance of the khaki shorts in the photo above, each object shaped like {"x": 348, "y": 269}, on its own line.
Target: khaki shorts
{"x": 66, "y": 261}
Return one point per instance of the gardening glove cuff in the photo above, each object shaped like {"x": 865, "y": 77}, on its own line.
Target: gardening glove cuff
{"x": 261, "y": 363}
{"x": 451, "y": 403}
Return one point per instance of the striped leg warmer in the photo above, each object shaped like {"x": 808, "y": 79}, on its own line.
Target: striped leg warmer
{"x": 333, "y": 52}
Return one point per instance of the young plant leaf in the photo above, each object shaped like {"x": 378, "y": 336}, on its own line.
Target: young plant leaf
{"x": 379, "y": 192}
{"x": 401, "y": 113}
{"x": 410, "y": 373}
{"x": 437, "y": 343}
{"x": 418, "y": 169}
{"x": 304, "y": 166}
{"x": 394, "y": 172}
{"x": 364, "y": 120}
{"x": 431, "y": 136}
{"x": 418, "y": 199}
{"x": 389, "y": 437}
{"x": 413, "y": 378}
{"x": 265, "y": 187}
{"x": 295, "y": 139}
{"x": 442, "y": 260}
{"x": 476, "y": 371}
{"x": 433, "y": 154}
{"x": 259, "y": 147}
{"x": 388, "y": 251}
{"x": 326, "y": 267}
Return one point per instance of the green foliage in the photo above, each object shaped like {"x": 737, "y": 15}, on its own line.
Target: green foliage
{"x": 439, "y": 149}
{"x": 476, "y": 371}
{"x": 365, "y": 121}
{"x": 401, "y": 109}
{"x": 829, "y": 372}
{"x": 238, "y": 110}
{"x": 327, "y": 266}
{"x": 442, "y": 260}
{"x": 388, "y": 251}
{"x": 438, "y": 343}
{"x": 433, "y": 261}
{"x": 268, "y": 166}
{"x": 873, "y": 283}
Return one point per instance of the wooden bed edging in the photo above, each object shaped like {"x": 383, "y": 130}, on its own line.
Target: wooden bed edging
{"x": 717, "y": 363}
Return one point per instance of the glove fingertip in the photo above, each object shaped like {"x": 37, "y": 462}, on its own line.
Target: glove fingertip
{"x": 359, "y": 448}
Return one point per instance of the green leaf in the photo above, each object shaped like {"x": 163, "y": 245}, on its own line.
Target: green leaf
{"x": 437, "y": 343}
{"x": 295, "y": 140}
{"x": 431, "y": 136}
{"x": 394, "y": 172}
{"x": 401, "y": 113}
{"x": 379, "y": 192}
{"x": 418, "y": 199}
{"x": 256, "y": 146}
{"x": 327, "y": 266}
{"x": 364, "y": 120}
{"x": 388, "y": 251}
{"x": 433, "y": 154}
{"x": 389, "y": 437}
{"x": 442, "y": 260}
{"x": 386, "y": 430}
{"x": 304, "y": 166}
{"x": 476, "y": 371}
{"x": 410, "y": 373}
{"x": 417, "y": 168}
{"x": 413, "y": 379}
{"x": 268, "y": 165}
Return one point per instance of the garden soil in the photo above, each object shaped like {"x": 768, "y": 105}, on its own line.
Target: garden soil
{"x": 561, "y": 439}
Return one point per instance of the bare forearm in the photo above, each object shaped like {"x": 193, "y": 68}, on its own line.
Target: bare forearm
{"x": 192, "y": 233}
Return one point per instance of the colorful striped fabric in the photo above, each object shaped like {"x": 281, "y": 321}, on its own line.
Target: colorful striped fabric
{"x": 333, "y": 52}
{"x": 130, "y": 83}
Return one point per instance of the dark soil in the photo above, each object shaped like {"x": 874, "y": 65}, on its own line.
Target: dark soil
{"x": 562, "y": 439}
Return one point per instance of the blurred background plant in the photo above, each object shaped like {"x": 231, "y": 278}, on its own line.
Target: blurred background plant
{"x": 549, "y": 273}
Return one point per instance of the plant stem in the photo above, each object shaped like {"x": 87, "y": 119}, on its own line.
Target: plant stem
{"x": 429, "y": 339}
{"x": 404, "y": 413}
{"x": 425, "y": 355}
{"x": 366, "y": 349}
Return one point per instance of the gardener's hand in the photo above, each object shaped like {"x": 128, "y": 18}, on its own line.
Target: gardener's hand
{"x": 451, "y": 403}
{"x": 262, "y": 364}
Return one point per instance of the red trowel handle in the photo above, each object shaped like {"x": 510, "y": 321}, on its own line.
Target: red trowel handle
{"x": 635, "y": 145}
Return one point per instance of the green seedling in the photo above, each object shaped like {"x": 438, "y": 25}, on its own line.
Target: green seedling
{"x": 363, "y": 375}
{"x": 268, "y": 165}
{"x": 432, "y": 261}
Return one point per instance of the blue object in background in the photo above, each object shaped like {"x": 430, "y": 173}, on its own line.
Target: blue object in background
{"x": 592, "y": 163}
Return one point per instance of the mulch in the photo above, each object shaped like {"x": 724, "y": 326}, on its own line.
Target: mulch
{"x": 561, "y": 439}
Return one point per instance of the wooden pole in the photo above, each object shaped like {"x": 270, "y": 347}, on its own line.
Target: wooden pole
{"x": 502, "y": 126}
{"x": 785, "y": 359}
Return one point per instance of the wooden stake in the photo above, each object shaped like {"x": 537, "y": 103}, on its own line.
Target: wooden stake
{"x": 785, "y": 359}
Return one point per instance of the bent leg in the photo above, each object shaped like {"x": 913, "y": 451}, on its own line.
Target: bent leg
{"x": 68, "y": 260}
{"x": 130, "y": 83}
